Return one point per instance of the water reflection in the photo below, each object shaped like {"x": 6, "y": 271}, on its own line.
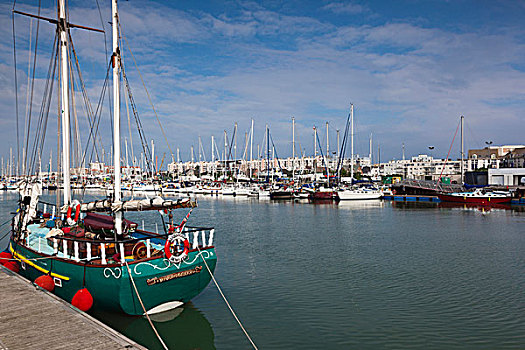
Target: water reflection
{"x": 182, "y": 328}
{"x": 361, "y": 204}
{"x": 458, "y": 206}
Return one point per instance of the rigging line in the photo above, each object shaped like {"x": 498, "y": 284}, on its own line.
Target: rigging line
{"x": 102, "y": 23}
{"x": 93, "y": 132}
{"x": 226, "y": 301}
{"x": 27, "y": 87}
{"x": 33, "y": 80}
{"x": 140, "y": 129}
{"x": 129, "y": 122}
{"x": 147, "y": 93}
{"x": 231, "y": 143}
{"x": 91, "y": 115}
{"x": 130, "y": 134}
{"x": 143, "y": 308}
{"x": 276, "y": 156}
{"x": 342, "y": 151}
{"x": 16, "y": 87}
{"x": 451, "y": 144}
{"x": 321, "y": 150}
{"x": 38, "y": 141}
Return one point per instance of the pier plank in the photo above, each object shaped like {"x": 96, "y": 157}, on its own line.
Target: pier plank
{"x": 31, "y": 318}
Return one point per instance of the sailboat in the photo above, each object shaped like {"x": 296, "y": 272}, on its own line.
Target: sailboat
{"x": 88, "y": 253}
{"x": 353, "y": 193}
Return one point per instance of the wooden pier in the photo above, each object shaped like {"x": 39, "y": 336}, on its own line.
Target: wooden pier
{"x": 31, "y": 318}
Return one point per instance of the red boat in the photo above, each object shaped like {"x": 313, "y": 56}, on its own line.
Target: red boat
{"x": 476, "y": 197}
{"x": 322, "y": 194}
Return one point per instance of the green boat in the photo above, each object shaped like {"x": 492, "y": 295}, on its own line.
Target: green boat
{"x": 76, "y": 263}
{"x": 87, "y": 252}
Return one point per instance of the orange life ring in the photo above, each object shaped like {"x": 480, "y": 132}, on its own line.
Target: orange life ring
{"x": 172, "y": 248}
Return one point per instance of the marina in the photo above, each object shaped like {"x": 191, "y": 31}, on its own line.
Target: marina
{"x": 265, "y": 175}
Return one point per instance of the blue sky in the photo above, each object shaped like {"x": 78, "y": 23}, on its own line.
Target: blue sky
{"x": 411, "y": 68}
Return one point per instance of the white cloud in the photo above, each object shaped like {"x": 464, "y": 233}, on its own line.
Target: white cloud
{"x": 409, "y": 83}
{"x": 345, "y": 8}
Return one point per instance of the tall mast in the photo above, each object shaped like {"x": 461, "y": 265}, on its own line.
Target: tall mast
{"x": 65, "y": 100}
{"x": 293, "y": 148}
{"x": 315, "y": 153}
{"x": 352, "y": 142}
{"x": 212, "y": 159}
{"x": 251, "y": 150}
{"x": 462, "y": 151}
{"x": 116, "y": 116}
{"x": 327, "y": 155}
{"x": 327, "y": 142}
{"x": 224, "y": 156}
{"x": 370, "y": 153}
{"x": 268, "y": 153}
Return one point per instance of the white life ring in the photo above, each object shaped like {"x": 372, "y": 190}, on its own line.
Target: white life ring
{"x": 172, "y": 248}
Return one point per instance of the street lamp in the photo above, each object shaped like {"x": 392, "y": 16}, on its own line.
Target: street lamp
{"x": 488, "y": 143}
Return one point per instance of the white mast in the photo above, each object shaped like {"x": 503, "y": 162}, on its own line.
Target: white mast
{"x": 212, "y": 159}
{"x": 327, "y": 154}
{"x": 251, "y": 150}
{"x": 315, "y": 153}
{"x": 327, "y": 142}
{"x": 293, "y": 148}
{"x": 462, "y": 151}
{"x": 65, "y": 100}
{"x": 352, "y": 142}
{"x": 153, "y": 163}
{"x": 116, "y": 116}
{"x": 370, "y": 152}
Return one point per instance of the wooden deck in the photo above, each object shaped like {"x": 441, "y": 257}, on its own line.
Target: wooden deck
{"x": 31, "y": 318}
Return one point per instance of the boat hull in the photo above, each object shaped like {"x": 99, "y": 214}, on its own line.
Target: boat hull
{"x": 278, "y": 195}
{"x": 158, "y": 280}
{"x": 351, "y": 195}
{"x": 484, "y": 200}
{"x": 321, "y": 195}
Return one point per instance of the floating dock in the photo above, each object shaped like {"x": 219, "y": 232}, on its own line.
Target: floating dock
{"x": 32, "y": 318}
{"x": 411, "y": 198}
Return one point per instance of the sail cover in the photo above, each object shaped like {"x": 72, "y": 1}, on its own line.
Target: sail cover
{"x": 94, "y": 221}
{"x": 156, "y": 203}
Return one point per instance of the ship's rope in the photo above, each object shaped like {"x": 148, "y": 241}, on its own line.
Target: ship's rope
{"x": 226, "y": 301}
{"x": 448, "y": 154}
{"x": 143, "y": 308}
{"x": 147, "y": 92}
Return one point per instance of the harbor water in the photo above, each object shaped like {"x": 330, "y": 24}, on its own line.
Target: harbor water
{"x": 348, "y": 275}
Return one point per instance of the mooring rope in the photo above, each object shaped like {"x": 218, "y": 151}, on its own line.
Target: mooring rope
{"x": 143, "y": 308}
{"x": 226, "y": 301}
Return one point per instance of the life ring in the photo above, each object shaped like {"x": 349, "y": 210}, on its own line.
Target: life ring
{"x": 172, "y": 248}
{"x": 75, "y": 204}
{"x": 77, "y": 212}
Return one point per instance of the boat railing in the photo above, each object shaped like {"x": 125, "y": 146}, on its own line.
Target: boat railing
{"x": 103, "y": 250}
